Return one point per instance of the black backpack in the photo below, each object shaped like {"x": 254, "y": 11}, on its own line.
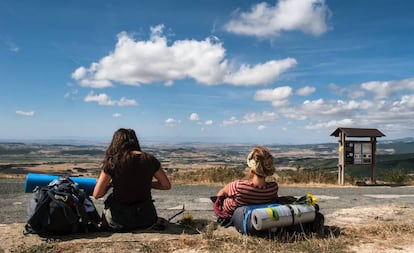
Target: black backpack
{"x": 61, "y": 208}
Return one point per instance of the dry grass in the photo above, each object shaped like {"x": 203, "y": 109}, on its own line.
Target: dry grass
{"x": 211, "y": 239}
{"x": 212, "y": 175}
{"x": 386, "y": 231}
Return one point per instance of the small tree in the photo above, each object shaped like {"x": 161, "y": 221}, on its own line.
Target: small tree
{"x": 396, "y": 175}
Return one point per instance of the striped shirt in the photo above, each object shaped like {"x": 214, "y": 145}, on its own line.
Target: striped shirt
{"x": 244, "y": 192}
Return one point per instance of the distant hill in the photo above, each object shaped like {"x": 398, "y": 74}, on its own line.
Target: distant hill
{"x": 400, "y": 146}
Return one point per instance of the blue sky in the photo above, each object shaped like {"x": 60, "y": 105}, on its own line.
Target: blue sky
{"x": 287, "y": 71}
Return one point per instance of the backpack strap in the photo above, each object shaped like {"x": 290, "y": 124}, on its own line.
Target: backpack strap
{"x": 245, "y": 218}
{"x": 292, "y": 213}
{"x": 249, "y": 212}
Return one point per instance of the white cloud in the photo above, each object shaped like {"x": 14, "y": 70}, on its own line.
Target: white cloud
{"x": 385, "y": 89}
{"x": 261, "y": 73}
{"x": 208, "y": 122}
{"x": 194, "y": 117}
{"x": 86, "y": 77}
{"x": 381, "y": 89}
{"x": 355, "y": 94}
{"x": 264, "y": 20}
{"x": 232, "y": 121}
{"x": 251, "y": 118}
{"x": 126, "y": 102}
{"x": 331, "y": 124}
{"x": 155, "y": 60}
{"x": 320, "y": 107}
{"x": 172, "y": 122}
{"x": 352, "y": 92}
{"x": 103, "y": 99}
{"x": 25, "y": 113}
{"x": 116, "y": 115}
{"x": 12, "y": 47}
{"x": 278, "y": 96}
{"x": 71, "y": 94}
{"x": 305, "y": 91}
{"x": 261, "y": 127}
{"x": 406, "y": 103}
{"x": 259, "y": 117}
{"x": 393, "y": 115}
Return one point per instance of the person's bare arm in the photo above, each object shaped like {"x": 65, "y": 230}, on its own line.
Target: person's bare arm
{"x": 162, "y": 182}
{"x": 102, "y": 185}
{"x": 224, "y": 191}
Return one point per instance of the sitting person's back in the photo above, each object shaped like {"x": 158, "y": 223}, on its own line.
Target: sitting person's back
{"x": 130, "y": 172}
{"x": 255, "y": 190}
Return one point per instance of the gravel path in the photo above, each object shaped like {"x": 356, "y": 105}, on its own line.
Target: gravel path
{"x": 13, "y": 201}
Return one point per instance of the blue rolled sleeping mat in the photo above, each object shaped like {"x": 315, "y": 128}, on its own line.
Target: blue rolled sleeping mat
{"x": 40, "y": 180}
{"x": 254, "y": 219}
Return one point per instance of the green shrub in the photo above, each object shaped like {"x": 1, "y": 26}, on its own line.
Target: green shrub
{"x": 396, "y": 175}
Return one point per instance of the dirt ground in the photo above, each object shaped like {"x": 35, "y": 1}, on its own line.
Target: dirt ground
{"x": 352, "y": 219}
{"x": 379, "y": 222}
{"x": 371, "y": 218}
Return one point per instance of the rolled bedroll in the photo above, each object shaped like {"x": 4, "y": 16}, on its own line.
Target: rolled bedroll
{"x": 282, "y": 216}
{"x": 33, "y": 180}
{"x": 253, "y": 219}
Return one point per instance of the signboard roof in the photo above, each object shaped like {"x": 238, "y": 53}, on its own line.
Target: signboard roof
{"x": 358, "y": 132}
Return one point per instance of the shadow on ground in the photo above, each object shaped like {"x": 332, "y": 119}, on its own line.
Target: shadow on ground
{"x": 192, "y": 227}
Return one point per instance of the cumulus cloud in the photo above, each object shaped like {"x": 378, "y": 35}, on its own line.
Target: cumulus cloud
{"x": 389, "y": 106}
{"x": 324, "y": 108}
{"x": 25, "y": 113}
{"x": 385, "y": 89}
{"x": 135, "y": 62}
{"x": 208, "y": 122}
{"x": 232, "y": 121}
{"x": 259, "y": 117}
{"x": 406, "y": 103}
{"x": 278, "y": 96}
{"x": 265, "y": 20}
{"x": 194, "y": 117}
{"x": 117, "y": 115}
{"x": 261, "y": 127}
{"x": 331, "y": 124}
{"x": 305, "y": 91}
{"x": 104, "y": 99}
{"x": 356, "y": 94}
{"x": 251, "y": 118}
{"x": 381, "y": 104}
{"x": 395, "y": 113}
{"x": 261, "y": 73}
{"x": 172, "y": 122}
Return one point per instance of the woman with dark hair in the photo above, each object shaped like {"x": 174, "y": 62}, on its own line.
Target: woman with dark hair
{"x": 130, "y": 172}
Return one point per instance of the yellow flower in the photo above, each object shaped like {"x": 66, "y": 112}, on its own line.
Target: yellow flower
{"x": 311, "y": 199}
{"x": 187, "y": 220}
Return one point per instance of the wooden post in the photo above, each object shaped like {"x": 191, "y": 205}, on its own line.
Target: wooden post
{"x": 341, "y": 165}
{"x": 373, "y": 160}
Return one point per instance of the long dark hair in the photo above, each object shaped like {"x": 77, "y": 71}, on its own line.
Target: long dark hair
{"x": 123, "y": 142}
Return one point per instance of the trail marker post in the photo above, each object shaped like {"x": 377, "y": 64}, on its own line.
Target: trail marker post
{"x": 356, "y": 152}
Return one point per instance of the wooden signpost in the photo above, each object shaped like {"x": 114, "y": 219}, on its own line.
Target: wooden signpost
{"x": 356, "y": 152}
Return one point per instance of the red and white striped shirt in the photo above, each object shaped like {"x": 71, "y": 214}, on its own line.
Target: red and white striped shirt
{"x": 244, "y": 192}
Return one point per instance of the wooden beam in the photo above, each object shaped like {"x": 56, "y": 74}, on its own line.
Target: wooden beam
{"x": 373, "y": 160}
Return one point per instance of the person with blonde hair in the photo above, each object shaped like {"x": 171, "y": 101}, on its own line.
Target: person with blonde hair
{"x": 131, "y": 173}
{"x": 254, "y": 190}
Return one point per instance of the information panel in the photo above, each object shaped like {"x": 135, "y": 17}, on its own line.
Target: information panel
{"x": 362, "y": 153}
